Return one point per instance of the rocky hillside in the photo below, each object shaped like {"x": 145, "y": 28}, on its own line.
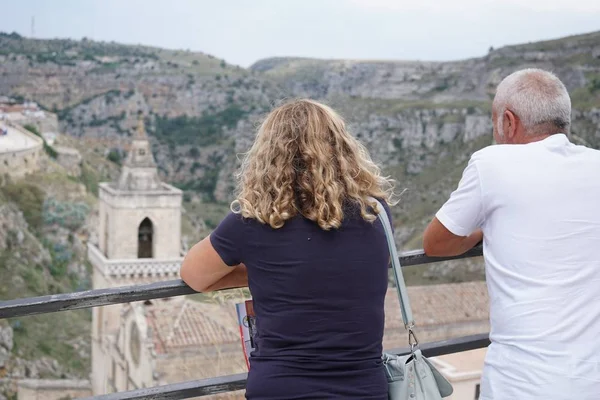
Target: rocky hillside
{"x": 575, "y": 59}
{"x": 421, "y": 120}
{"x": 45, "y": 221}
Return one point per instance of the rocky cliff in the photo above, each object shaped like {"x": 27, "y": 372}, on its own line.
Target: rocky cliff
{"x": 199, "y": 108}
{"x": 42, "y": 252}
{"x": 421, "y": 120}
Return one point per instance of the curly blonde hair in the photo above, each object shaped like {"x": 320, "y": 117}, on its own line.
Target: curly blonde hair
{"x": 303, "y": 161}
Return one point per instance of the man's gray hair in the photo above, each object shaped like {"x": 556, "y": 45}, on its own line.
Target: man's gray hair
{"x": 537, "y": 97}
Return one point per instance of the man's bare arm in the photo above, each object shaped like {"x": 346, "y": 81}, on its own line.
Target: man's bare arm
{"x": 438, "y": 241}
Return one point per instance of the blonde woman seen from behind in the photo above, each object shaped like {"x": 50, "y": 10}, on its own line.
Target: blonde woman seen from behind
{"x": 302, "y": 236}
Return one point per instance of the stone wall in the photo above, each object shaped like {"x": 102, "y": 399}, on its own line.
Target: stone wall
{"x": 69, "y": 158}
{"x": 52, "y": 389}
{"x": 202, "y": 362}
{"x": 19, "y": 163}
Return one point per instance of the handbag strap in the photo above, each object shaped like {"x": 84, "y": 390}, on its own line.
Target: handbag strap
{"x": 407, "y": 316}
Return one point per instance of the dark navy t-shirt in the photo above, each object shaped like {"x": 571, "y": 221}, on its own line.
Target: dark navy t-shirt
{"x": 319, "y": 303}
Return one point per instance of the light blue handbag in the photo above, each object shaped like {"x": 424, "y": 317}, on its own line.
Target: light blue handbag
{"x": 411, "y": 376}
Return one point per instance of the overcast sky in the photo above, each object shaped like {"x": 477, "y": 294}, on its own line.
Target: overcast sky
{"x": 243, "y": 31}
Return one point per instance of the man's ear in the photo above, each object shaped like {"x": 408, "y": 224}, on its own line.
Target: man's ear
{"x": 510, "y": 124}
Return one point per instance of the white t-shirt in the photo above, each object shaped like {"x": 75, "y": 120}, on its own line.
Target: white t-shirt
{"x": 539, "y": 208}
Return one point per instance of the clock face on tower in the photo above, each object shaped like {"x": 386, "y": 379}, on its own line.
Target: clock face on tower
{"x": 135, "y": 346}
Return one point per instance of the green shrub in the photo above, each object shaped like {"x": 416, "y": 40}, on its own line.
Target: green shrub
{"x": 398, "y": 143}
{"x": 34, "y": 281}
{"x": 32, "y": 128}
{"x": 30, "y": 200}
{"x": 89, "y": 178}
{"x": 197, "y": 131}
{"x": 594, "y": 85}
{"x": 205, "y": 185}
{"x": 47, "y": 148}
{"x": 114, "y": 155}
{"x": 194, "y": 152}
{"x": 67, "y": 214}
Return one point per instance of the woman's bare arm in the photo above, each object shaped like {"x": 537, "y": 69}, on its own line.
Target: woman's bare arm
{"x": 203, "y": 269}
{"x": 236, "y": 279}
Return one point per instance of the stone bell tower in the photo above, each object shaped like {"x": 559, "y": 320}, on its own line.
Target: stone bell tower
{"x": 139, "y": 241}
{"x": 140, "y": 217}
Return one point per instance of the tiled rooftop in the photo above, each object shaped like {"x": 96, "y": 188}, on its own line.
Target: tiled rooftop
{"x": 440, "y": 304}
{"x": 182, "y": 323}
{"x": 187, "y": 323}
{"x": 195, "y": 340}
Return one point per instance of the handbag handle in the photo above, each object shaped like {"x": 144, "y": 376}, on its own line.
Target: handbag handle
{"x": 407, "y": 317}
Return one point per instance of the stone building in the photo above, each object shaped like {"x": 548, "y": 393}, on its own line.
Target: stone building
{"x": 20, "y": 149}
{"x": 139, "y": 242}
{"x": 52, "y": 389}
{"x": 162, "y": 341}
{"x": 29, "y": 113}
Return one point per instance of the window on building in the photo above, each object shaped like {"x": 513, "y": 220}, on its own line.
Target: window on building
{"x": 145, "y": 233}
{"x": 477, "y": 390}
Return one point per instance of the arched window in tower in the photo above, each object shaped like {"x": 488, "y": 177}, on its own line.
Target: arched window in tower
{"x": 145, "y": 232}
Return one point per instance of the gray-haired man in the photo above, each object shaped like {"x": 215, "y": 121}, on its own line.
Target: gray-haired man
{"x": 535, "y": 201}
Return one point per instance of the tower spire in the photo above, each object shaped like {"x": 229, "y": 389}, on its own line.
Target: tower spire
{"x": 139, "y": 169}
{"x": 140, "y": 132}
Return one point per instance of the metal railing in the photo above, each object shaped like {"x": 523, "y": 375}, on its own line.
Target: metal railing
{"x": 222, "y": 384}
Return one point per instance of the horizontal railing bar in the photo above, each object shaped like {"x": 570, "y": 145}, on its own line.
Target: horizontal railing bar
{"x": 230, "y": 383}
{"x": 127, "y": 294}
{"x": 418, "y": 257}
{"x": 455, "y": 345}
{"x": 183, "y": 390}
{"x": 92, "y": 298}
